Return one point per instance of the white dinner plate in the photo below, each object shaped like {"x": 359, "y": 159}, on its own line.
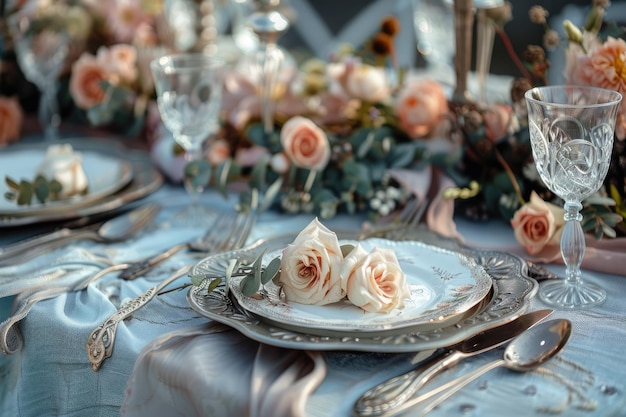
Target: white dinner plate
{"x": 107, "y": 174}
{"x": 443, "y": 286}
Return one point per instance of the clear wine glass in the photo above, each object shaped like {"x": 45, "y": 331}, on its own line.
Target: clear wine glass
{"x": 433, "y": 21}
{"x": 41, "y": 53}
{"x": 571, "y": 133}
{"x": 189, "y": 91}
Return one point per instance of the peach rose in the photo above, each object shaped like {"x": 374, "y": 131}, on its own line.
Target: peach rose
{"x": 305, "y": 143}
{"x": 603, "y": 66}
{"x": 538, "y": 225}
{"x": 218, "y": 152}
{"x": 497, "y": 119}
{"x": 87, "y": 73}
{"x": 421, "y": 107}
{"x": 374, "y": 281}
{"x": 310, "y": 267}
{"x": 11, "y": 117}
{"x": 120, "y": 61}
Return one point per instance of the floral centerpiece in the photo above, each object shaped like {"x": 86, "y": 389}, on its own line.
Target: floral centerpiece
{"x": 355, "y": 133}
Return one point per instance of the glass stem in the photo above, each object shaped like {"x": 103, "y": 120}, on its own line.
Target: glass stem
{"x": 192, "y": 185}
{"x": 485, "y": 34}
{"x": 49, "y": 117}
{"x": 573, "y": 242}
{"x": 268, "y": 61}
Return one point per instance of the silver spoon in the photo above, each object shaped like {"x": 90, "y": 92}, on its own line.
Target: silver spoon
{"x": 113, "y": 230}
{"x": 525, "y": 353}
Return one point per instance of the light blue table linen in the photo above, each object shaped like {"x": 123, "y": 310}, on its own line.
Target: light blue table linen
{"x": 51, "y": 375}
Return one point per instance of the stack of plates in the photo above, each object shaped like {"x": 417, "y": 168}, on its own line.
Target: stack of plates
{"x": 453, "y": 294}
{"x": 116, "y": 175}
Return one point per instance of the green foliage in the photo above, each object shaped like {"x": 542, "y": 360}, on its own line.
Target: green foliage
{"x": 42, "y": 189}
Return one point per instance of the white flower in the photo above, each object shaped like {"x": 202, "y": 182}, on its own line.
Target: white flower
{"x": 64, "y": 165}
{"x": 310, "y": 267}
{"x": 374, "y": 281}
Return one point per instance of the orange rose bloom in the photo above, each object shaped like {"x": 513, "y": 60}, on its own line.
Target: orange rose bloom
{"x": 11, "y": 117}
{"x": 421, "y": 107}
{"x": 85, "y": 87}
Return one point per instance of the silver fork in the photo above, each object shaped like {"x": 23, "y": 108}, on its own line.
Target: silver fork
{"x": 101, "y": 340}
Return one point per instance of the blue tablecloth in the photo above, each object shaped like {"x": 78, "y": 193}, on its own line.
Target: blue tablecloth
{"x": 51, "y": 375}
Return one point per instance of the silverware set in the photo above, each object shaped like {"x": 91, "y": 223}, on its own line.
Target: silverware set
{"x": 532, "y": 343}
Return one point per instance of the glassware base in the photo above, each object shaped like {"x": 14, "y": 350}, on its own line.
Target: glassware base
{"x": 564, "y": 295}
{"x": 194, "y": 215}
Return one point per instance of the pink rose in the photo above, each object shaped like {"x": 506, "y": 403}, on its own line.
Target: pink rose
{"x": 87, "y": 73}
{"x": 603, "y": 66}
{"x": 305, "y": 143}
{"x": 421, "y": 106}
{"x": 310, "y": 267}
{"x": 120, "y": 61}
{"x": 497, "y": 119}
{"x": 11, "y": 117}
{"x": 538, "y": 225}
{"x": 218, "y": 152}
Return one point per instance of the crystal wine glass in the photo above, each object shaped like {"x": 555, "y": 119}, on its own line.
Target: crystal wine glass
{"x": 41, "y": 53}
{"x": 189, "y": 91}
{"x": 571, "y": 133}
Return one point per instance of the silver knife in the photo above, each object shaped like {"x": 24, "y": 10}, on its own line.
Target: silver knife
{"x": 390, "y": 394}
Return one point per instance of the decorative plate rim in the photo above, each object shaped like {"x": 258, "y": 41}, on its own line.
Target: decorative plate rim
{"x": 416, "y": 259}
{"x": 513, "y": 290}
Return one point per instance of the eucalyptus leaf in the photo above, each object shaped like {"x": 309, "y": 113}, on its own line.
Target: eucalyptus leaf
{"x": 214, "y": 284}
{"x": 41, "y": 189}
{"x": 346, "y": 249}
{"x": 25, "y": 195}
{"x": 271, "y": 270}
{"x": 11, "y": 183}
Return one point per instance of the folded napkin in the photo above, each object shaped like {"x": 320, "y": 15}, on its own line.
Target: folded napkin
{"x": 195, "y": 372}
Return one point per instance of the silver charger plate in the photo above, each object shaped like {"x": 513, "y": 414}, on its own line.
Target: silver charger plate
{"x": 512, "y": 291}
{"x": 443, "y": 286}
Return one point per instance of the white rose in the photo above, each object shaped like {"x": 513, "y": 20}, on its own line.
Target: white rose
{"x": 310, "y": 267}
{"x": 64, "y": 165}
{"x": 374, "y": 281}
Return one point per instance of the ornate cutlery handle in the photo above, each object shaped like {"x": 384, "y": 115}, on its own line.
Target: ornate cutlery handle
{"x": 394, "y": 392}
{"x": 101, "y": 339}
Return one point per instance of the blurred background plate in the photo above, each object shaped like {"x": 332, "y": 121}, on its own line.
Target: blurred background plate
{"x": 107, "y": 174}
{"x": 136, "y": 178}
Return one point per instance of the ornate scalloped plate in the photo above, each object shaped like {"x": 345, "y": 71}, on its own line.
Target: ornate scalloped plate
{"x": 107, "y": 174}
{"x": 511, "y": 293}
{"x": 443, "y": 286}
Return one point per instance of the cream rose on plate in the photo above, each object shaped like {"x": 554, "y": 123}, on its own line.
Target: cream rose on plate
{"x": 374, "y": 281}
{"x": 310, "y": 267}
{"x": 61, "y": 163}
{"x": 313, "y": 270}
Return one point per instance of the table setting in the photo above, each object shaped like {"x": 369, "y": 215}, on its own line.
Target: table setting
{"x": 241, "y": 233}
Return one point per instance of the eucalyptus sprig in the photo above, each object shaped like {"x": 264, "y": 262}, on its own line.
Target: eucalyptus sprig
{"x": 41, "y": 188}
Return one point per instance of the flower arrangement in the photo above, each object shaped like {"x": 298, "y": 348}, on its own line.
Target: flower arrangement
{"x": 106, "y": 81}
{"x": 348, "y": 130}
